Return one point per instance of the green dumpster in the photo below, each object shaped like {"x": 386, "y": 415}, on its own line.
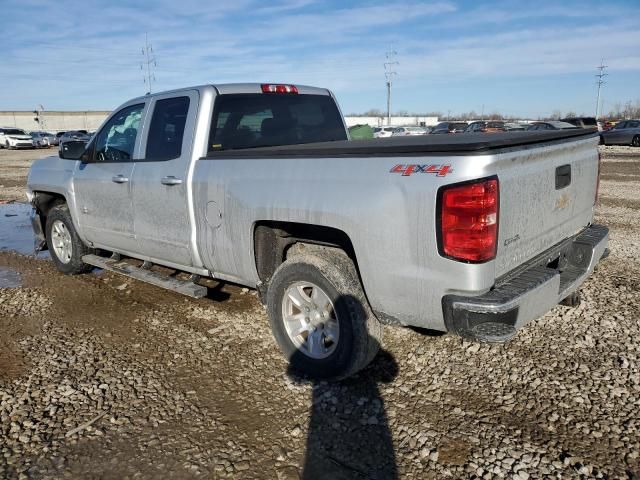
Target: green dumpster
{"x": 360, "y": 132}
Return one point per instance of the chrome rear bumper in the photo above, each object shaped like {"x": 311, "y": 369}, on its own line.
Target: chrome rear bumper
{"x": 529, "y": 291}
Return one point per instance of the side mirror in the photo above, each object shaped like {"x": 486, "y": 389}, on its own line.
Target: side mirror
{"x": 72, "y": 149}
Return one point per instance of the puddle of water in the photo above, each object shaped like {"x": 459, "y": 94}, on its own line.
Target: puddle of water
{"x": 15, "y": 228}
{"x": 16, "y": 233}
{"x": 9, "y": 278}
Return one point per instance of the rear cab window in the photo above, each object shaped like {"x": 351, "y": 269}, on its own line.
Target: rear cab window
{"x": 243, "y": 121}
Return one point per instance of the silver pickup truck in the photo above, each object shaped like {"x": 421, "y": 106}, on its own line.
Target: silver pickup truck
{"x": 259, "y": 184}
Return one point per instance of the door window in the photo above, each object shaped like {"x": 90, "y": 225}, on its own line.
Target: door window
{"x": 117, "y": 139}
{"x": 167, "y": 129}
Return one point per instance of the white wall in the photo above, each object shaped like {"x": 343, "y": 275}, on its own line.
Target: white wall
{"x": 399, "y": 121}
{"x": 91, "y": 120}
{"x": 53, "y": 121}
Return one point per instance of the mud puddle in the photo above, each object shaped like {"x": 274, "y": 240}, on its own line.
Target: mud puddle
{"x": 9, "y": 278}
{"x": 15, "y": 228}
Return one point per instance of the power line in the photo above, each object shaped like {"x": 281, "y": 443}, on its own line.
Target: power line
{"x": 389, "y": 72}
{"x": 600, "y": 82}
{"x": 148, "y": 62}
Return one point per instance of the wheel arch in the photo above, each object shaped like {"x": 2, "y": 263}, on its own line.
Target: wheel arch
{"x": 43, "y": 202}
{"x": 273, "y": 239}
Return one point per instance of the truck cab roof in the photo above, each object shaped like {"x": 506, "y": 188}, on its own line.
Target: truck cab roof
{"x": 234, "y": 88}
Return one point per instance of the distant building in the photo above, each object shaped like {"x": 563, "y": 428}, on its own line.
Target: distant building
{"x": 404, "y": 121}
{"x": 58, "y": 121}
{"x": 53, "y": 121}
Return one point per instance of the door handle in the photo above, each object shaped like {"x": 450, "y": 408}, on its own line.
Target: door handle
{"x": 170, "y": 180}
{"x": 119, "y": 179}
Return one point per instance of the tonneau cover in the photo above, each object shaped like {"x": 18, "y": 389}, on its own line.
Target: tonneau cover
{"x": 439, "y": 144}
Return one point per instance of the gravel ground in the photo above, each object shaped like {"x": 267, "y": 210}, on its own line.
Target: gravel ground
{"x": 103, "y": 377}
{"x": 14, "y": 167}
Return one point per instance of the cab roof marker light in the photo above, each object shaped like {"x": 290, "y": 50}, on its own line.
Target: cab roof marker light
{"x": 278, "y": 88}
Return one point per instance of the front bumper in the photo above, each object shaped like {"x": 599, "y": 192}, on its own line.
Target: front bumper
{"x": 529, "y": 291}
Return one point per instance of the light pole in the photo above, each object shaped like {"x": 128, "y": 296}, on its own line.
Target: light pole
{"x": 389, "y": 73}
{"x": 599, "y": 82}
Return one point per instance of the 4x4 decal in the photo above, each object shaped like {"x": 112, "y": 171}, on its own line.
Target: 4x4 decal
{"x": 438, "y": 170}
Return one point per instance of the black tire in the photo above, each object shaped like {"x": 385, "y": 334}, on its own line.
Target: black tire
{"x": 75, "y": 265}
{"x": 636, "y": 141}
{"x": 360, "y": 333}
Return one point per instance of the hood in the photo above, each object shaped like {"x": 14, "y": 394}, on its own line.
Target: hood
{"x": 20, "y": 137}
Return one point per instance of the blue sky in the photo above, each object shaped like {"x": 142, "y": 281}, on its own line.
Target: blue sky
{"x": 524, "y": 58}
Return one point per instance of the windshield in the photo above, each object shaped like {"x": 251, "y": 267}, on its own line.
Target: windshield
{"x": 263, "y": 120}
{"x": 14, "y": 131}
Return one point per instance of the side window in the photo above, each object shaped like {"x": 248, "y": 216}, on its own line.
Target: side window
{"x": 167, "y": 129}
{"x": 117, "y": 139}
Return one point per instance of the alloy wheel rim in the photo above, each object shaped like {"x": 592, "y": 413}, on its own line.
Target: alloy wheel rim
{"x": 61, "y": 241}
{"x": 310, "y": 320}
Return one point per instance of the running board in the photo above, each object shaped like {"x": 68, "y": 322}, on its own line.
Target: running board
{"x": 185, "y": 287}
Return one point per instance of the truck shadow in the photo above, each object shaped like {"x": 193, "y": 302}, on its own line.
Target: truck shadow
{"x": 349, "y": 437}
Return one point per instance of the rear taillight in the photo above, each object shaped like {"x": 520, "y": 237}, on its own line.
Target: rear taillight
{"x": 595, "y": 200}
{"x": 468, "y": 221}
{"x": 278, "y": 88}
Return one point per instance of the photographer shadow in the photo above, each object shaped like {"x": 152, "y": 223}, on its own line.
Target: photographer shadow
{"x": 349, "y": 436}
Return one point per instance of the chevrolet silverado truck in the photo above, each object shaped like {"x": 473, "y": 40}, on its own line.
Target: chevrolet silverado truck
{"x": 260, "y": 185}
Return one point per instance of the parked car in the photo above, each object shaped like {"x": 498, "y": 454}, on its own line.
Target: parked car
{"x": 59, "y": 134}
{"x": 605, "y": 125}
{"x": 489, "y": 126}
{"x": 217, "y": 181}
{"x": 15, "y": 138}
{"x": 626, "y": 132}
{"x": 383, "y": 132}
{"x": 582, "y": 122}
{"x": 551, "y": 125}
{"x": 74, "y": 135}
{"x": 408, "y": 131}
{"x": 44, "y": 139}
{"x": 514, "y": 127}
{"x": 450, "y": 127}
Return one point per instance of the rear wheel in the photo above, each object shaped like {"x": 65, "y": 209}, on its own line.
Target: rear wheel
{"x": 319, "y": 314}
{"x": 636, "y": 141}
{"x": 64, "y": 245}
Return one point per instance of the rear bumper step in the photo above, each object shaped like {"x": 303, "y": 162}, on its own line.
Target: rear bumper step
{"x": 185, "y": 287}
{"x": 528, "y": 292}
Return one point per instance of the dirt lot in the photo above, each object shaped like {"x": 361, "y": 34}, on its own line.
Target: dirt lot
{"x": 102, "y": 377}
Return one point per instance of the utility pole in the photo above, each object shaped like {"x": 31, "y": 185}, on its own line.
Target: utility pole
{"x": 148, "y": 62}
{"x": 599, "y": 82}
{"x": 389, "y": 72}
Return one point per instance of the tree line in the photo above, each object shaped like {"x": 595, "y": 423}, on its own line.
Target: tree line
{"x": 619, "y": 110}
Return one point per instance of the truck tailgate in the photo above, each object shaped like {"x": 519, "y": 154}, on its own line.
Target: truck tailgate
{"x": 547, "y": 194}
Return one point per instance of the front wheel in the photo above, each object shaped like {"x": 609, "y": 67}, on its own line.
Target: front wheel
{"x": 636, "y": 141}
{"x": 64, "y": 245}
{"x": 319, "y": 314}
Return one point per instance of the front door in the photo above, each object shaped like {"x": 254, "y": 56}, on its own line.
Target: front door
{"x": 103, "y": 184}
{"x": 160, "y": 180}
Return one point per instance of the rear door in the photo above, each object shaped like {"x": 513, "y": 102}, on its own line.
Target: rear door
{"x": 160, "y": 180}
{"x": 103, "y": 185}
